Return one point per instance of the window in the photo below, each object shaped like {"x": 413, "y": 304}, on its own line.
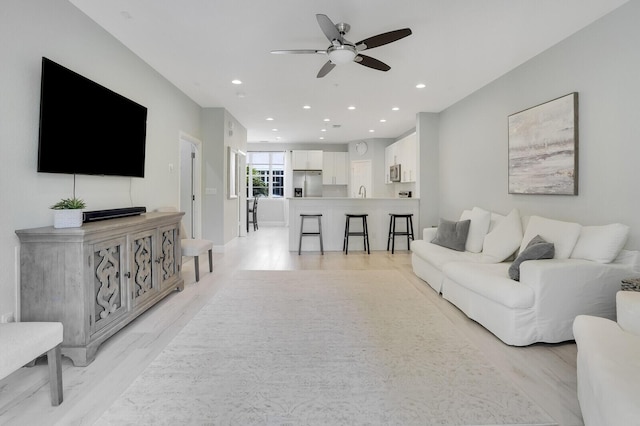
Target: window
{"x": 265, "y": 174}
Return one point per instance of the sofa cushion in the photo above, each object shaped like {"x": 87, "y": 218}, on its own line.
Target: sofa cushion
{"x": 505, "y": 238}
{"x": 537, "y": 249}
{"x": 438, "y": 256}
{"x": 562, "y": 234}
{"x": 491, "y": 280}
{"x": 600, "y": 244}
{"x": 452, "y": 235}
{"x": 496, "y": 218}
{"x": 480, "y": 221}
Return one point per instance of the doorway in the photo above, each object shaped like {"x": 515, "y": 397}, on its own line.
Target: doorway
{"x": 190, "y": 184}
{"x": 361, "y": 177}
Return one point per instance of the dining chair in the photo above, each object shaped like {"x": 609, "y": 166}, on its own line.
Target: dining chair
{"x": 253, "y": 211}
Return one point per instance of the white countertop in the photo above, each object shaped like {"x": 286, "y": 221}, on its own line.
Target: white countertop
{"x": 351, "y": 198}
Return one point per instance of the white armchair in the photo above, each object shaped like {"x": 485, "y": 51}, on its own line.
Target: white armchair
{"x": 22, "y": 342}
{"x": 608, "y": 364}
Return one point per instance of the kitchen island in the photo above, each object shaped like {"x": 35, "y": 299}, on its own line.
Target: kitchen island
{"x": 333, "y": 210}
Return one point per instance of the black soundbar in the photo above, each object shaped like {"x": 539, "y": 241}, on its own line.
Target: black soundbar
{"x": 95, "y": 215}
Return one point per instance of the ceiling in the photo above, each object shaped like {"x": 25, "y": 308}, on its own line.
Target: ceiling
{"x": 457, "y": 46}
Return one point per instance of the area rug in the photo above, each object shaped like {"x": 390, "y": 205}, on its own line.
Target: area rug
{"x": 321, "y": 348}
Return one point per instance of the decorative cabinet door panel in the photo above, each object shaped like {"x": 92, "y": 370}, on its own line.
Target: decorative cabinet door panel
{"x": 144, "y": 254}
{"x": 108, "y": 266}
{"x": 169, "y": 258}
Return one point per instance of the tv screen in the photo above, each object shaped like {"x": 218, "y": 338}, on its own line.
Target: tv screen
{"x": 86, "y": 128}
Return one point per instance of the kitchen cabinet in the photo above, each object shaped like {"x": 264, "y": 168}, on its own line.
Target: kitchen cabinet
{"x": 408, "y": 154}
{"x": 306, "y": 160}
{"x": 390, "y": 159}
{"x": 405, "y": 153}
{"x": 97, "y": 278}
{"x": 334, "y": 168}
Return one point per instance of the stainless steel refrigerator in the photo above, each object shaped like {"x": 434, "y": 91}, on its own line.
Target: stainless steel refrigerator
{"x": 307, "y": 183}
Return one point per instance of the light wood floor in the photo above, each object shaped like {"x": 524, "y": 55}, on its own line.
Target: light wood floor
{"x": 546, "y": 373}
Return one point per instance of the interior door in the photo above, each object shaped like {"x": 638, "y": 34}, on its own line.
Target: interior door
{"x": 190, "y": 185}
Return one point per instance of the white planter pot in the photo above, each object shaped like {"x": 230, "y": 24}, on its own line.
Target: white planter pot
{"x": 67, "y": 218}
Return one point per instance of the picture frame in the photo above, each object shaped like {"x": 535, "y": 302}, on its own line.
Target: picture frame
{"x": 543, "y": 148}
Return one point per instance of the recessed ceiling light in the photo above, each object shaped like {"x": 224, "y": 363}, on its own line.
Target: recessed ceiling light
{"x": 278, "y": 138}
{"x": 321, "y": 138}
{"x": 323, "y": 130}
{"x": 236, "y": 81}
{"x": 351, "y": 107}
{"x": 420, "y": 86}
{"x": 274, "y": 130}
{"x": 307, "y": 107}
{"x": 269, "y": 118}
{"x": 371, "y": 130}
{"x": 326, "y": 119}
{"x": 395, "y": 109}
{"x": 382, "y": 120}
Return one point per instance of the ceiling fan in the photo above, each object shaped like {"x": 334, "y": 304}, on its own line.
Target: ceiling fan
{"x": 342, "y": 51}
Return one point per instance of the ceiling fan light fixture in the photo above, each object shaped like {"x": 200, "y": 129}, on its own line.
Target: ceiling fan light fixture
{"x": 341, "y": 54}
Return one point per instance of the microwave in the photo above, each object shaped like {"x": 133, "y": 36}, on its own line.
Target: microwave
{"x": 394, "y": 173}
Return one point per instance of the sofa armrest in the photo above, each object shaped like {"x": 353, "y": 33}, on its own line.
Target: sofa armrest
{"x": 574, "y": 286}
{"x": 628, "y": 307}
{"x": 428, "y": 234}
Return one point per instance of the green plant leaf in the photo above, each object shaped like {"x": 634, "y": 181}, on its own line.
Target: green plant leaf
{"x": 69, "y": 204}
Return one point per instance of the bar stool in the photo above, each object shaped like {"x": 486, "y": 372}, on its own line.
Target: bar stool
{"x": 392, "y": 230}
{"x": 364, "y": 233}
{"x": 306, "y": 234}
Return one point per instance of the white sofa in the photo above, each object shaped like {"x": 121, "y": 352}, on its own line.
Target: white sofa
{"x": 609, "y": 366}
{"x": 582, "y": 278}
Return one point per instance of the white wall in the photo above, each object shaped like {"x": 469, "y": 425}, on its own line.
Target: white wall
{"x": 30, "y": 29}
{"x": 375, "y": 153}
{"x": 220, "y": 130}
{"x": 602, "y": 63}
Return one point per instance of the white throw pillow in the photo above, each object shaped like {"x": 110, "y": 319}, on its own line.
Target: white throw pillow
{"x": 562, "y": 234}
{"x": 495, "y": 220}
{"x": 504, "y": 239}
{"x": 601, "y": 244}
{"x": 480, "y": 220}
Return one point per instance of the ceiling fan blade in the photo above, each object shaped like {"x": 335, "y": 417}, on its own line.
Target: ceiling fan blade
{"x": 298, "y": 52}
{"x": 328, "y": 28}
{"x": 382, "y": 39}
{"x": 325, "y": 69}
{"x": 370, "y": 62}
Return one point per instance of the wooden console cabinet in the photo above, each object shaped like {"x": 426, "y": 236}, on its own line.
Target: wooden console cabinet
{"x": 97, "y": 278}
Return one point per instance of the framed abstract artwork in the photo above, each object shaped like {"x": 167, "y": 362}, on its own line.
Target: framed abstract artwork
{"x": 543, "y": 148}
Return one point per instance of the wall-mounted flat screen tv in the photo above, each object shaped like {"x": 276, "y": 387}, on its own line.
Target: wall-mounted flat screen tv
{"x": 86, "y": 128}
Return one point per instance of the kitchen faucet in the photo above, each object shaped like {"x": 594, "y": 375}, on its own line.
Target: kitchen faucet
{"x": 362, "y": 187}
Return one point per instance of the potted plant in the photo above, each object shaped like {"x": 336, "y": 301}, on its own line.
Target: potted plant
{"x": 67, "y": 213}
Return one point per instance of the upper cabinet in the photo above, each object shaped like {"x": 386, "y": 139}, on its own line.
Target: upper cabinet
{"x": 405, "y": 153}
{"x": 335, "y": 171}
{"x": 408, "y": 158}
{"x": 306, "y": 160}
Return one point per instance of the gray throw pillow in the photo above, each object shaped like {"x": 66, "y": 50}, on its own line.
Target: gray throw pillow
{"x": 452, "y": 235}
{"x": 537, "y": 248}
